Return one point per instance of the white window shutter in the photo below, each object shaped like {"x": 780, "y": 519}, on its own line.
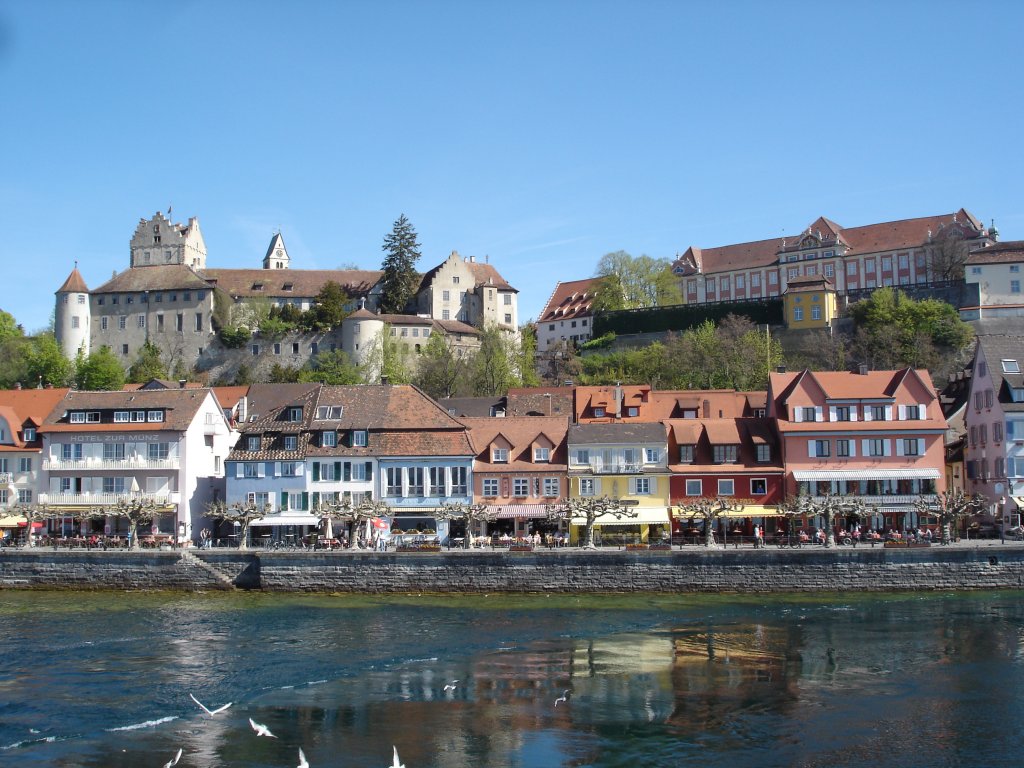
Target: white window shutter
{"x": 887, "y": 447}
{"x": 832, "y": 413}
{"x": 920, "y": 446}
{"x": 922, "y": 410}
{"x": 902, "y": 412}
{"x": 853, "y": 448}
{"x": 853, "y": 413}
{"x": 865, "y": 446}
{"x": 654, "y": 485}
{"x": 899, "y": 445}
{"x": 811, "y": 449}
{"x": 818, "y": 415}
{"x": 597, "y": 486}
{"x": 867, "y": 413}
{"x": 261, "y": 470}
{"x": 888, "y": 413}
{"x": 798, "y": 414}
{"x": 239, "y": 469}
{"x": 277, "y": 469}
{"x": 632, "y": 485}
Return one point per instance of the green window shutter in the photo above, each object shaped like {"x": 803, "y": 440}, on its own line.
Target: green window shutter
{"x": 305, "y": 500}
{"x": 337, "y": 470}
{"x": 369, "y": 470}
{"x": 349, "y": 439}
{"x": 316, "y": 471}
{"x": 316, "y": 499}
{"x": 284, "y": 501}
{"x": 348, "y": 471}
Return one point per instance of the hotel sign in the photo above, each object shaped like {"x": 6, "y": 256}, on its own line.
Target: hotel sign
{"x": 117, "y": 438}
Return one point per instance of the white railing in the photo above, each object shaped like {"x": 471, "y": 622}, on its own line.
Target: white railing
{"x": 171, "y": 462}
{"x": 6, "y": 477}
{"x": 886, "y": 500}
{"x": 599, "y": 467}
{"x": 102, "y": 499}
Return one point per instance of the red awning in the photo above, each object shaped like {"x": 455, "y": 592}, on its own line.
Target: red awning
{"x": 505, "y": 511}
{"x": 23, "y": 524}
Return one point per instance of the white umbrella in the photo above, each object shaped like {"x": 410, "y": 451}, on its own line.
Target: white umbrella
{"x": 328, "y": 528}
{"x": 135, "y": 485}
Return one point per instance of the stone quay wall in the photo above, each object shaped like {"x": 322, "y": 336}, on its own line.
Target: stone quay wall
{"x": 691, "y": 570}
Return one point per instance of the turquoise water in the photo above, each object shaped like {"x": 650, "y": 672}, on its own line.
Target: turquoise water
{"x": 899, "y": 680}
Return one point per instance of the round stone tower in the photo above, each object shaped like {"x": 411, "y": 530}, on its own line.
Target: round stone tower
{"x": 358, "y": 332}
{"x": 73, "y": 317}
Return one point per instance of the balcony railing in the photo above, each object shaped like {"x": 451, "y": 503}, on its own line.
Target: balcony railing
{"x": 6, "y": 478}
{"x": 599, "y": 467}
{"x": 886, "y": 500}
{"x": 103, "y": 499}
{"x": 171, "y": 462}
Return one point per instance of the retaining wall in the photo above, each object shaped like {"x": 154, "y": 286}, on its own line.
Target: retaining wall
{"x": 691, "y": 570}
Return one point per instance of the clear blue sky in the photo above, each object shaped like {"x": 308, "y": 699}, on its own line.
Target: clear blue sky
{"x": 540, "y": 134}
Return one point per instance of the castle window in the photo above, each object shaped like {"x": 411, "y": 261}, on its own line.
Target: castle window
{"x": 167, "y": 255}
{"x": 455, "y": 280}
{"x": 101, "y": 301}
{"x": 186, "y": 296}
{"x": 113, "y": 299}
{"x": 81, "y": 298}
{"x": 103, "y": 323}
{"x": 122, "y": 322}
{"x": 124, "y": 349}
{"x": 287, "y": 286}
{"x": 129, "y": 299}
{"x": 159, "y": 298}
{"x": 74, "y": 321}
{"x": 145, "y": 257}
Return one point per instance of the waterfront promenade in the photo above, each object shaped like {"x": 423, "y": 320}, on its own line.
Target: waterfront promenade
{"x": 967, "y": 565}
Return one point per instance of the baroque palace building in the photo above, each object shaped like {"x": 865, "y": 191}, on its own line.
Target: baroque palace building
{"x": 169, "y": 296}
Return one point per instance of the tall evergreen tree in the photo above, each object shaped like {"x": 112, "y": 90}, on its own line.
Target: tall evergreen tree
{"x": 400, "y": 279}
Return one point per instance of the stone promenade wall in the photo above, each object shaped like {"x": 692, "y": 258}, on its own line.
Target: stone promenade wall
{"x": 691, "y": 570}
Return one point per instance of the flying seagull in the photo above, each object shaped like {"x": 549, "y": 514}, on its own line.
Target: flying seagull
{"x": 203, "y": 707}
{"x": 174, "y": 762}
{"x": 261, "y": 730}
{"x": 451, "y": 686}
{"x": 564, "y": 698}
{"x": 302, "y": 759}
{"x": 396, "y": 764}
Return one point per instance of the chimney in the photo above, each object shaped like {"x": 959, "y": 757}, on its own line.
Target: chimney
{"x": 862, "y": 369}
{"x": 181, "y": 383}
{"x": 707, "y": 409}
{"x": 781, "y": 369}
{"x": 17, "y": 385}
{"x": 384, "y": 379}
{"x": 617, "y": 397}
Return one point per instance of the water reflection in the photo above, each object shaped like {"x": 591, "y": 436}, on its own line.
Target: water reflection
{"x": 673, "y": 681}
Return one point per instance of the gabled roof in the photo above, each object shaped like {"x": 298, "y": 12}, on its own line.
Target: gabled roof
{"x": 180, "y": 407}
{"x": 616, "y": 434}
{"x": 277, "y": 241}
{"x": 570, "y": 299}
{"x": 521, "y": 432}
{"x": 870, "y": 238}
{"x": 305, "y": 283}
{"x": 160, "y": 277}
{"x": 809, "y": 284}
{"x": 22, "y": 406}
{"x": 74, "y": 284}
{"x": 995, "y": 349}
{"x": 483, "y": 274}
{"x": 1009, "y": 252}
{"x": 705, "y": 434}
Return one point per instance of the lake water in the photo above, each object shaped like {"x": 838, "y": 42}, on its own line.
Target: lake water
{"x": 875, "y": 680}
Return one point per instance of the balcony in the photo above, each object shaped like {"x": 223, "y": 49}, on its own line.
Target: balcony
{"x": 80, "y": 465}
{"x": 889, "y": 500}
{"x": 104, "y": 499}
{"x": 599, "y": 467}
{"x": 6, "y": 478}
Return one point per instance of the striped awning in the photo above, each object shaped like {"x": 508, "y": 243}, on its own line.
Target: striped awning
{"x": 288, "y": 520}
{"x": 750, "y": 510}
{"x": 506, "y": 511}
{"x": 865, "y": 474}
{"x": 12, "y": 521}
{"x": 644, "y": 516}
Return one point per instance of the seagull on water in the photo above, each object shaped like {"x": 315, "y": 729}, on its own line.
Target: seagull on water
{"x": 396, "y": 764}
{"x": 302, "y": 759}
{"x": 451, "y": 686}
{"x": 210, "y": 712}
{"x": 564, "y": 698}
{"x": 261, "y": 730}
{"x": 174, "y": 762}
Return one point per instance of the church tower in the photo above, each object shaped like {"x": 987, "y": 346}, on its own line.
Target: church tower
{"x": 73, "y": 317}
{"x": 277, "y": 254}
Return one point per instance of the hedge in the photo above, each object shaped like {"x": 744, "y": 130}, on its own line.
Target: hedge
{"x": 680, "y": 317}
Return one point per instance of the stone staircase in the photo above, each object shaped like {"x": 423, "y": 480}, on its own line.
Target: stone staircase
{"x": 219, "y": 574}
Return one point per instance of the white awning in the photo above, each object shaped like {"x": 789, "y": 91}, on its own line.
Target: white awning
{"x": 288, "y": 520}
{"x": 866, "y": 474}
{"x": 644, "y": 516}
{"x": 505, "y": 511}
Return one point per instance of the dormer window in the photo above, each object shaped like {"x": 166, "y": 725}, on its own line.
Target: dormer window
{"x": 252, "y": 443}
{"x": 121, "y": 416}
{"x": 328, "y": 412}
{"x": 764, "y": 453}
{"x": 287, "y": 287}
{"x": 257, "y": 286}
{"x": 328, "y": 438}
{"x": 295, "y": 414}
{"x": 29, "y": 434}
{"x": 599, "y": 413}
{"x": 1011, "y": 366}
{"x": 77, "y": 417}
{"x": 724, "y": 454}
{"x": 686, "y": 454}
{"x": 155, "y": 416}
{"x": 92, "y": 417}
{"x": 499, "y": 455}
{"x": 632, "y": 411}
{"x": 359, "y": 438}
{"x": 541, "y": 454}
{"x": 291, "y": 442}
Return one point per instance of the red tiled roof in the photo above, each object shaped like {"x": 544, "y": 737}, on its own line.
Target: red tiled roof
{"x": 570, "y": 299}
{"x": 74, "y": 284}
{"x": 305, "y": 283}
{"x": 1009, "y": 252}
{"x": 522, "y": 432}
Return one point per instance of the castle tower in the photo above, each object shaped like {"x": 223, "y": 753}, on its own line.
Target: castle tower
{"x": 158, "y": 242}
{"x": 277, "y": 254}
{"x": 359, "y": 331}
{"x": 73, "y": 317}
